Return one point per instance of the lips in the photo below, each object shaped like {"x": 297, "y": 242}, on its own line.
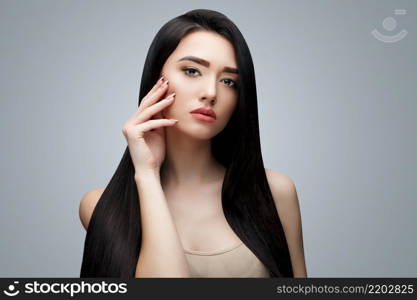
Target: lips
{"x": 204, "y": 111}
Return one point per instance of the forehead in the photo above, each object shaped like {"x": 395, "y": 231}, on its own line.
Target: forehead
{"x": 206, "y": 45}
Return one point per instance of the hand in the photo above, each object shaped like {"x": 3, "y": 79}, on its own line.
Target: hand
{"x": 146, "y": 137}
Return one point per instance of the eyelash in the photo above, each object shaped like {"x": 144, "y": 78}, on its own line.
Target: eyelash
{"x": 187, "y": 69}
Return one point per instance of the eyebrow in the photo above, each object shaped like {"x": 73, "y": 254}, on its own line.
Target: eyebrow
{"x": 207, "y": 64}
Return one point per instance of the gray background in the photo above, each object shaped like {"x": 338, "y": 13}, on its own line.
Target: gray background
{"x": 337, "y": 111}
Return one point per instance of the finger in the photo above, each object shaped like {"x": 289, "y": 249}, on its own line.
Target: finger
{"x": 156, "y": 86}
{"x": 156, "y": 95}
{"x": 154, "y": 109}
{"x": 153, "y": 97}
{"x": 153, "y": 124}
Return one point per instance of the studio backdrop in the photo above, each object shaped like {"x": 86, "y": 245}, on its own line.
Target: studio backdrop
{"x": 337, "y": 99}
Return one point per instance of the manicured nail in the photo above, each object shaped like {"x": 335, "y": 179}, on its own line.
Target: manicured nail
{"x": 169, "y": 98}
{"x": 160, "y": 80}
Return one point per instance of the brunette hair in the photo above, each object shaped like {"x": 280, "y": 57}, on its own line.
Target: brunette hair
{"x": 114, "y": 235}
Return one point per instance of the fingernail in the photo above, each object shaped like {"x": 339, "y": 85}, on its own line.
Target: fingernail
{"x": 160, "y": 80}
{"x": 173, "y": 120}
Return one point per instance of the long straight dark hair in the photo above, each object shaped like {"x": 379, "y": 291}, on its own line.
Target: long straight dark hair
{"x": 114, "y": 235}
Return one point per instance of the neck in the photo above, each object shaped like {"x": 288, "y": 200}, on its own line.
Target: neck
{"x": 189, "y": 161}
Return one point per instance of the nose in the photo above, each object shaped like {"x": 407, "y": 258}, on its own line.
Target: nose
{"x": 209, "y": 91}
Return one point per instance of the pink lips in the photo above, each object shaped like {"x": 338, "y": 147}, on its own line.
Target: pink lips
{"x": 204, "y": 114}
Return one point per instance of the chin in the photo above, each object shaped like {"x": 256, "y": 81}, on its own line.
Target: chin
{"x": 197, "y": 131}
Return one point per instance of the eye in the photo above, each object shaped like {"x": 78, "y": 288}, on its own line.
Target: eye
{"x": 233, "y": 83}
{"x": 191, "y": 72}
{"x": 190, "y": 69}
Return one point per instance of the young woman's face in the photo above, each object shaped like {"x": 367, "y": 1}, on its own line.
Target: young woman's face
{"x": 202, "y": 71}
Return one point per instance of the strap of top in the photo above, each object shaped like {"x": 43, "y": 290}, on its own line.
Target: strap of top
{"x": 213, "y": 252}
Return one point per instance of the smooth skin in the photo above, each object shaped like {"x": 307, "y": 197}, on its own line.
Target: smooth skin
{"x": 179, "y": 182}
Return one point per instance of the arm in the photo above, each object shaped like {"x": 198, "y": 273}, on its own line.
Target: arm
{"x": 161, "y": 254}
{"x": 285, "y": 196}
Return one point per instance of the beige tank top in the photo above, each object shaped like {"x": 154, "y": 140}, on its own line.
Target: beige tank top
{"x": 236, "y": 261}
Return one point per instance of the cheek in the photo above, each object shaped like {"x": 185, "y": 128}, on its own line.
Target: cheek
{"x": 176, "y": 82}
{"x": 226, "y": 116}
{"x": 230, "y": 109}
{"x": 183, "y": 93}
{"x": 173, "y": 110}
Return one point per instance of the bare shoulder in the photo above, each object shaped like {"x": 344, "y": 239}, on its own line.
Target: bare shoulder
{"x": 286, "y": 201}
{"x": 87, "y": 204}
{"x": 284, "y": 192}
{"x": 282, "y": 187}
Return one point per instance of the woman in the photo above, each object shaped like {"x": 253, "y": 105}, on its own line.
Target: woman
{"x": 191, "y": 197}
